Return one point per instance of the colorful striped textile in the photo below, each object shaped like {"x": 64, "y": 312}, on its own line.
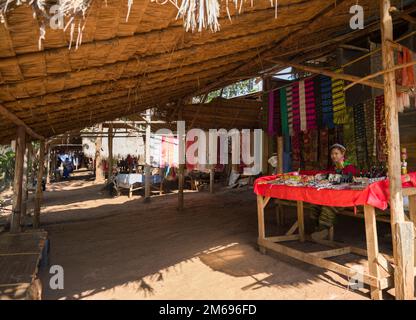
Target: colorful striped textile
{"x": 270, "y": 118}
{"x": 318, "y": 101}
{"x": 371, "y": 133}
{"x": 381, "y": 129}
{"x": 287, "y": 160}
{"x": 302, "y": 106}
{"x": 323, "y": 148}
{"x": 296, "y": 151}
{"x": 338, "y": 101}
{"x": 326, "y": 100}
{"x": 274, "y": 119}
{"x": 284, "y": 112}
{"x": 349, "y": 135}
{"x": 289, "y": 109}
{"x": 310, "y": 104}
{"x": 296, "y": 107}
{"x": 360, "y": 135}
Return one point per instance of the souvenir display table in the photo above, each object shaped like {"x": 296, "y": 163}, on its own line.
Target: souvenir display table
{"x": 134, "y": 181}
{"x": 315, "y": 189}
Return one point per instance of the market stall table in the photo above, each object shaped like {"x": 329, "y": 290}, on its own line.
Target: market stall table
{"x": 373, "y": 196}
{"x": 134, "y": 181}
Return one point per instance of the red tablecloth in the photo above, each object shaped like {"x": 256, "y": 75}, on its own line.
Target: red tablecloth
{"x": 377, "y": 194}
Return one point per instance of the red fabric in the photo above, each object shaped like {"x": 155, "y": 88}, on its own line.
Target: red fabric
{"x": 377, "y": 194}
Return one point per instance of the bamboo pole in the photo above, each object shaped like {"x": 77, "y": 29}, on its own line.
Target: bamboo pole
{"x": 48, "y": 165}
{"x": 279, "y": 154}
{"x": 98, "y": 161}
{"x": 25, "y": 180}
{"x": 147, "y": 153}
{"x": 110, "y": 152}
{"x": 18, "y": 177}
{"x": 38, "y": 197}
{"x": 379, "y": 73}
{"x": 181, "y": 150}
{"x": 341, "y": 76}
{"x": 402, "y": 287}
{"x": 211, "y": 178}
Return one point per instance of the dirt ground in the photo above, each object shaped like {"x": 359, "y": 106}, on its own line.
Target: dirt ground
{"x": 121, "y": 248}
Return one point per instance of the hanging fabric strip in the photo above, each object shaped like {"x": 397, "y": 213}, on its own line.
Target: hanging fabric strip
{"x": 318, "y": 101}
{"x": 381, "y": 129}
{"x": 277, "y": 118}
{"x": 270, "y": 126}
{"x": 370, "y": 131}
{"x": 296, "y": 150}
{"x": 360, "y": 135}
{"x": 287, "y": 163}
{"x": 404, "y": 77}
{"x": 323, "y": 148}
{"x": 289, "y": 109}
{"x": 295, "y": 107}
{"x": 326, "y": 98}
{"x": 338, "y": 100}
{"x": 302, "y": 105}
{"x": 348, "y": 135}
{"x": 310, "y": 104}
{"x": 284, "y": 112}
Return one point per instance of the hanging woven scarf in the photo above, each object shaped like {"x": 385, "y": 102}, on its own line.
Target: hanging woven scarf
{"x": 289, "y": 109}
{"x": 371, "y": 133}
{"x": 360, "y": 135}
{"x": 323, "y": 148}
{"x": 277, "y": 118}
{"x": 310, "y": 148}
{"x": 283, "y": 112}
{"x": 349, "y": 136}
{"x": 302, "y": 106}
{"x": 270, "y": 127}
{"x": 404, "y": 77}
{"x": 310, "y": 104}
{"x": 318, "y": 101}
{"x": 295, "y": 107}
{"x": 338, "y": 100}
{"x": 287, "y": 163}
{"x": 326, "y": 100}
{"x": 296, "y": 151}
{"x": 381, "y": 129}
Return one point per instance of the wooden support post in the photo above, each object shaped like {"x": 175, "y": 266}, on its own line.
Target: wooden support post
{"x": 182, "y": 152}
{"x": 279, "y": 154}
{"x": 372, "y": 248}
{"x": 412, "y": 214}
{"x": 301, "y": 221}
{"x": 18, "y": 177}
{"x": 38, "y": 197}
{"x": 48, "y": 165}
{"x": 211, "y": 179}
{"x": 147, "y": 160}
{"x": 162, "y": 179}
{"x": 25, "y": 180}
{"x": 110, "y": 153}
{"x": 260, "y": 217}
{"x": 98, "y": 160}
{"x": 393, "y": 144}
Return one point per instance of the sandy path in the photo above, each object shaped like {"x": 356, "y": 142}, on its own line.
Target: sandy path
{"x": 125, "y": 249}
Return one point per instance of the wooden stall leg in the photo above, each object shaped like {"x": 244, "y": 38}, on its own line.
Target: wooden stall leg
{"x": 404, "y": 271}
{"x": 260, "y": 217}
{"x": 331, "y": 233}
{"x": 372, "y": 248}
{"x": 301, "y": 221}
{"x": 412, "y": 213}
{"x": 130, "y": 191}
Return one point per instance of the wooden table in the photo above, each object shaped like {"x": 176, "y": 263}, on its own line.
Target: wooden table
{"x": 376, "y": 260}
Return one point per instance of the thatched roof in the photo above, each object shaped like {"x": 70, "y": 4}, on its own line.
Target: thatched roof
{"x": 124, "y": 67}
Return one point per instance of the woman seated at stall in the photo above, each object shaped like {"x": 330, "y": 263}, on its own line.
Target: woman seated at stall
{"x": 324, "y": 216}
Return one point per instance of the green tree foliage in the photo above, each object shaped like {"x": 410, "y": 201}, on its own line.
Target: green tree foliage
{"x": 6, "y": 167}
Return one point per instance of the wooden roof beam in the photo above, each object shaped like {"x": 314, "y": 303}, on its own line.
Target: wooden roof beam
{"x": 12, "y": 117}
